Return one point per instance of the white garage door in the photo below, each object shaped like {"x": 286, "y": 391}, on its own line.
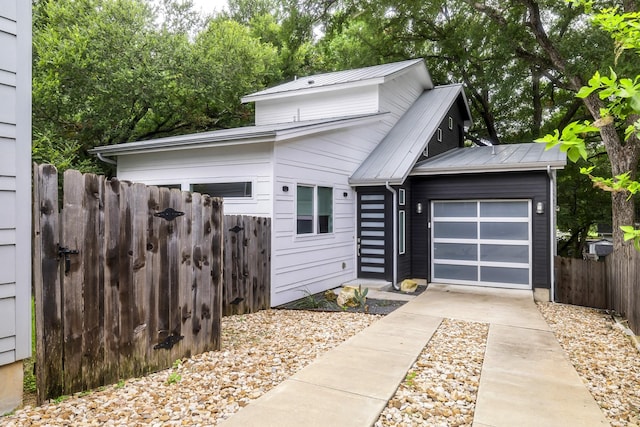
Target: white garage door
{"x": 481, "y": 242}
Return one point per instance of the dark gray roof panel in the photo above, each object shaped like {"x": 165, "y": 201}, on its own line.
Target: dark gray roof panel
{"x": 339, "y": 78}
{"x": 392, "y": 160}
{"x": 497, "y": 158}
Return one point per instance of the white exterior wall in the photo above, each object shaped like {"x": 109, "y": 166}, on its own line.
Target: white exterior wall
{"x": 338, "y": 103}
{"x": 397, "y": 95}
{"x": 251, "y": 162}
{"x": 15, "y": 180}
{"x": 315, "y": 263}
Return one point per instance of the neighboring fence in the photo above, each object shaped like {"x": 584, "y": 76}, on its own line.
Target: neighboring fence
{"x": 610, "y": 284}
{"x": 129, "y": 278}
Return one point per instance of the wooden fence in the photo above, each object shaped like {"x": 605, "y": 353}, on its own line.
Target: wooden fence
{"x": 129, "y": 278}
{"x": 611, "y": 284}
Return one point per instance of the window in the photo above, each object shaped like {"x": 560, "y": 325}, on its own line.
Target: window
{"x": 314, "y": 210}
{"x": 224, "y": 189}
{"x": 401, "y": 197}
{"x": 439, "y": 135}
{"x": 169, "y": 186}
{"x": 450, "y": 123}
{"x": 402, "y": 232}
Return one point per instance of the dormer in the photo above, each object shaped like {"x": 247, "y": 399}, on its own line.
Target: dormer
{"x": 381, "y": 88}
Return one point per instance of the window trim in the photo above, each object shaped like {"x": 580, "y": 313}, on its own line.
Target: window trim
{"x": 439, "y": 135}
{"x": 402, "y": 232}
{"x": 401, "y": 197}
{"x": 190, "y": 185}
{"x": 315, "y": 220}
{"x": 450, "y": 123}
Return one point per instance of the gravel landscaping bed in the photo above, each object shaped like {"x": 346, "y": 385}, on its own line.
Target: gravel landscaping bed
{"x": 604, "y": 357}
{"x": 441, "y": 387}
{"x": 259, "y": 351}
{"x": 263, "y": 349}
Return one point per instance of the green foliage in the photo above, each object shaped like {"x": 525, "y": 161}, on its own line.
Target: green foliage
{"x": 120, "y": 384}
{"x": 620, "y": 109}
{"x": 409, "y": 378}
{"x": 361, "y": 297}
{"x": 175, "y": 377}
{"x": 105, "y": 72}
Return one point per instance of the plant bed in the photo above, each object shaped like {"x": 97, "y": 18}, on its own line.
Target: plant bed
{"x": 319, "y": 302}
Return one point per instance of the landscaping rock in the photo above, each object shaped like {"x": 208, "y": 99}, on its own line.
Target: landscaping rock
{"x": 408, "y": 285}
{"x": 347, "y": 297}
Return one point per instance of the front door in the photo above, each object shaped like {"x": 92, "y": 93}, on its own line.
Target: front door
{"x": 372, "y": 235}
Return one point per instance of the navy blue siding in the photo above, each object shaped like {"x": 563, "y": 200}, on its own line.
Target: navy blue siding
{"x": 513, "y": 185}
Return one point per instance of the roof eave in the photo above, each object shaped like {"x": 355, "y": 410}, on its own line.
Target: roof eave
{"x": 523, "y": 167}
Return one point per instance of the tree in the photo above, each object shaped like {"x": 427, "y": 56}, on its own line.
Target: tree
{"x": 614, "y": 103}
{"x": 111, "y": 71}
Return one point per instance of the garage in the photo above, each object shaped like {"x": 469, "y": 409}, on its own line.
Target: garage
{"x": 482, "y": 242}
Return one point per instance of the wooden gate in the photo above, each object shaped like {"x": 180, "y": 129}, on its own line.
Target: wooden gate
{"x": 127, "y": 279}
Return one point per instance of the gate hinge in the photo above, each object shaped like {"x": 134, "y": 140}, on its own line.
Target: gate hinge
{"x": 64, "y": 251}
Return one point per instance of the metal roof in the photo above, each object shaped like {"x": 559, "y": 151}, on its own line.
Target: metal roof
{"x": 235, "y": 136}
{"x": 392, "y": 160}
{"x": 369, "y": 75}
{"x": 497, "y": 158}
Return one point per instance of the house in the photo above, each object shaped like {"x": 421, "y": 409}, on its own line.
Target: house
{"x": 15, "y": 198}
{"x": 364, "y": 175}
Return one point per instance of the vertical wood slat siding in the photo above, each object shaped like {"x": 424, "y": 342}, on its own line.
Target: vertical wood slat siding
{"x": 613, "y": 284}
{"x": 123, "y": 292}
{"x": 247, "y": 264}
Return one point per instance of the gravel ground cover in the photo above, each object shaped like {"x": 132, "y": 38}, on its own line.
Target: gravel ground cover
{"x": 604, "y": 357}
{"x": 259, "y": 351}
{"x": 441, "y": 387}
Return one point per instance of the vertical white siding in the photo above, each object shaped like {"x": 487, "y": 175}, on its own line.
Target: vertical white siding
{"x": 322, "y": 105}
{"x": 315, "y": 263}
{"x": 206, "y": 165}
{"x": 15, "y": 180}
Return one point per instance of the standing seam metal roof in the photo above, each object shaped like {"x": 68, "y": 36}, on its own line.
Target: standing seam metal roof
{"x": 338, "y": 77}
{"x": 392, "y": 160}
{"x": 497, "y": 158}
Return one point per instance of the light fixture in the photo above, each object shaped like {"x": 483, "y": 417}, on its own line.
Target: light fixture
{"x": 540, "y": 208}
{"x": 285, "y": 188}
{"x": 419, "y": 208}
{"x": 345, "y": 194}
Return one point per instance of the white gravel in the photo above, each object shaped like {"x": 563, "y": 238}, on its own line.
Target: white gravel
{"x": 261, "y": 350}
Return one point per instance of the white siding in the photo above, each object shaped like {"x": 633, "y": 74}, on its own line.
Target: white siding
{"x": 396, "y": 96}
{"x": 315, "y": 263}
{"x": 207, "y": 165}
{"x": 15, "y": 180}
{"x": 339, "y": 103}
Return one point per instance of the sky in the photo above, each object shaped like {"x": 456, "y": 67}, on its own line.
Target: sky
{"x": 209, "y": 6}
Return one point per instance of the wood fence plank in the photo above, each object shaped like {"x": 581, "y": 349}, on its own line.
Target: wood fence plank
{"x": 141, "y": 341}
{"x": 111, "y": 281}
{"x": 155, "y": 361}
{"x": 93, "y": 282}
{"x": 73, "y": 237}
{"x": 163, "y": 285}
{"x": 173, "y": 259}
{"x": 126, "y": 302}
{"x": 216, "y": 274}
{"x": 186, "y": 276}
{"x": 46, "y": 282}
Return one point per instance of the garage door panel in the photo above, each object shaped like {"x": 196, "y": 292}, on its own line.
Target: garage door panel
{"x": 456, "y": 272}
{"x": 456, "y": 251}
{"x": 508, "y": 209}
{"x": 518, "y": 276}
{"x": 504, "y": 230}
{"x": 491, "y": 248}
{"x": 504, "y": 253}
{"x": 455, "y": 230}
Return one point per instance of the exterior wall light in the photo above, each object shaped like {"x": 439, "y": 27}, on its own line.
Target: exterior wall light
{"x": 540, "y": 208}
{"x": 419, "y": 208}
{"x": 285, "y": 188}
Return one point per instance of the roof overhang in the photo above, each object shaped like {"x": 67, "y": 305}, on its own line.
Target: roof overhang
{"x": 236, "y": 136}
{"x": 492, "y": 159}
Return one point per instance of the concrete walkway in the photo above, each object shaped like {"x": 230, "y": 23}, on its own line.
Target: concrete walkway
{"x": 526, "y": 379}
